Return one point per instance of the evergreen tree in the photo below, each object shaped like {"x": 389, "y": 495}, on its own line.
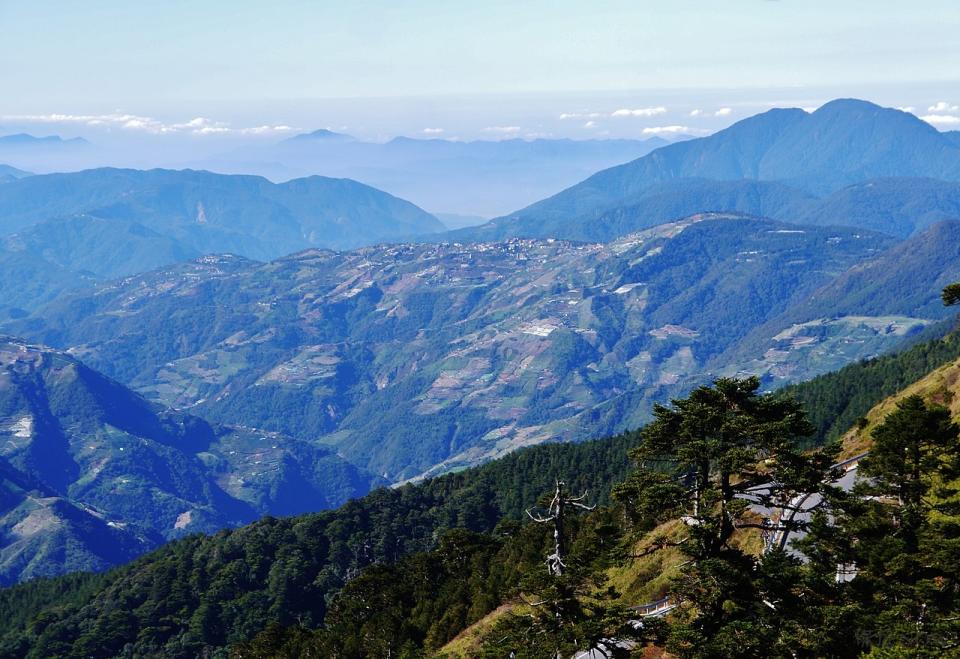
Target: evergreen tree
{"x": 898, "y": 536}
{"x": 951, "y": 294}
{"x": 710, "y": 460}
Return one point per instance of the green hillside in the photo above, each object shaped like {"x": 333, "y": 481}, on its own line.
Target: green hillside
{"x": 417, "y": 359}
{"x": 288, "y": 569}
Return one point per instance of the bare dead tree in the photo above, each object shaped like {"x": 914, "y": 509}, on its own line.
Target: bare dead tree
{"x": 555, "y": 515}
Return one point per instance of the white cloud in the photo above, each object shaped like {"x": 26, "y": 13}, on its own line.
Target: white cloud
{"x": 432, "y": 131}
{"x": 942, "y": 114}
{"x": 201, "y": 126}
{"x": 590, "y": 124}
{"x": 696, "y": 113}
{"x": 907, "y": 108}
{"x": 264, "y": 130}
{"x": 665, "y": 130}
{"x": 942, "y": 107}
{"x": 581, "y": 115}
{"x": 640, "y": 112}
{"x": 722, "y": 112}
{"x": 941, "y": 119}
{"x": 119, "y": 119}
{"x": 502, "y": 130}
{"x": 622, "y": 112}
{"x": 132, "y": 122}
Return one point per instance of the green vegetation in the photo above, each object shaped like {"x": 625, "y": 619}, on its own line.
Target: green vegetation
{"x": 405, "y": 572}
{"x": 897, "y": 537}
{"x": 837, "y": 401}
{"x": 287, "y": 570}
{"x": 704, "y": 460}
{"x": 899, "y": 528}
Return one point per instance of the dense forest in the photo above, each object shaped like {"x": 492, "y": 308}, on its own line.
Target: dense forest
{"x": 875, "y": 574}
{"x": 250, "y": 575}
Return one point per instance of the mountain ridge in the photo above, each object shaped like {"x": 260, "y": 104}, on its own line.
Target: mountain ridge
{"x": 288, "y": 569}
{"x": 844, "y": 142}
{"x": 26, "y": 139}
{"x": 81, "y": 452}
{"x": 110, "y": 222}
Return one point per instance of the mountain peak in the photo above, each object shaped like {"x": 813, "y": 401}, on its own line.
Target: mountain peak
{"x": 843, "y": 142}
{"x": 321, "y": 135}
{"x": 848, "y": 104}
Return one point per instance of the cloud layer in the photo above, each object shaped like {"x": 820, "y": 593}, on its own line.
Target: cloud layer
{"x": 943, "y": 113}
{"x": 622, "y": 112}
{"x": 502, "y": 130}
{"x": 133, "y": 122}
{"x": 666, "y": 130}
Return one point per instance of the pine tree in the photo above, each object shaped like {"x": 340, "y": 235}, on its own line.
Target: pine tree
{"x": 709, "y": 459}
{"x": 898, "y": 536}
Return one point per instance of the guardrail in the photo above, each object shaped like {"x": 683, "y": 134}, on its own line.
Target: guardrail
{"x": 657, "y": 607}
{"x": 854, "y": 460}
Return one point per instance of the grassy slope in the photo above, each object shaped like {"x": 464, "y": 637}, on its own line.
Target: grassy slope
{"x": 939, "y": 387}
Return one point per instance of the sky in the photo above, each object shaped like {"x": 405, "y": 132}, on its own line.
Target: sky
{"x": 243, "y": 70}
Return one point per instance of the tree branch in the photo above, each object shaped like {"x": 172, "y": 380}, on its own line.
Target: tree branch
{"x": 541, "y": 520}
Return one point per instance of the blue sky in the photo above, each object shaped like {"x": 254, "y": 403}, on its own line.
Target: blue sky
{"x": 379, "y": 67}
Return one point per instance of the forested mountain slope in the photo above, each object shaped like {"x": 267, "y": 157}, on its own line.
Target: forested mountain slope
{"x": 233, "y": 584}
{"x": 478, "y": 349}
{"x": 92, "y": 474}
{"x": 285, "y": 569}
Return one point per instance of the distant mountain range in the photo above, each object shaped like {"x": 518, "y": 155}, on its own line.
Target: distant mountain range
{"x": 21, "y": 140}
{"x": 483, "y": 177}
{"x": 49, "y": 153}
{"x": 775, "y": 164}
{"x": 321, "y": 135}
{"x": 92, "y": 475}
{"x": 106, "y": 223}
{"x": 413, "y": 359}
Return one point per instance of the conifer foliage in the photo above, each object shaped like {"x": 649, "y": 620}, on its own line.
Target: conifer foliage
{"x": 713, "y": 460}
